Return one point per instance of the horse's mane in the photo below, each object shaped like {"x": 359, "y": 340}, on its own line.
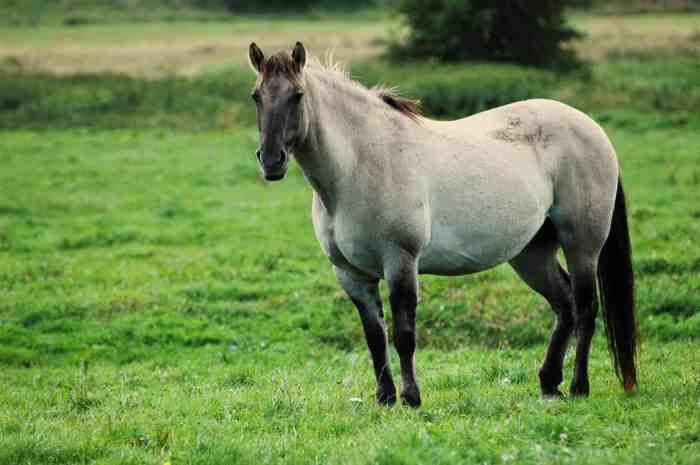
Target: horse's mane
{"x": 282, "y": 63}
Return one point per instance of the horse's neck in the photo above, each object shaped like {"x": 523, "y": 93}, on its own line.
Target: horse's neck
{"x": 342, "y": 118}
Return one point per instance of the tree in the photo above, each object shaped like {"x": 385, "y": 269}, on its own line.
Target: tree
{"x": 523, "y": 31}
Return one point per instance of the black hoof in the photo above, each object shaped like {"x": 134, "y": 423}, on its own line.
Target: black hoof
{"x": 411, "y": 398}
{"x": 580, "y": 389}
{"x": 387, "y": 398}
{"x": 550, "y": 379}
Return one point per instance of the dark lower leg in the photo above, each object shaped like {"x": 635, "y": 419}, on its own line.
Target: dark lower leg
{"x": 586, "y": 309}
{"x": 404, "y": 311}
{"x": 375, "y": 333}
{"x": 403, "y": 293}
{"x": 365, "y": 296}
{"x": 551, "y": 373}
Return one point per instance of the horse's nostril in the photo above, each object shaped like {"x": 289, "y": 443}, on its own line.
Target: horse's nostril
{"x": 283, "y": 155}
{"x": 257, "y": 154}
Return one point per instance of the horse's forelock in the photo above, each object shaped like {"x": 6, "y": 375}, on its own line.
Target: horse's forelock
{"x": 280, "y": 64}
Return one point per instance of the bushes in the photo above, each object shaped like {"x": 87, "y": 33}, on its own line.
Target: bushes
{"x": 453, "y": 91}
{"x": 508, "y": 30}
{"x": 668, "y": 86}
{"x": 39, "y": 100}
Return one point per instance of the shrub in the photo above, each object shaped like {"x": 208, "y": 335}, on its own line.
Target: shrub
{"x": 40, "y": 100}
{"x": 526, "y": 32}
{"x": 454, "y": 91}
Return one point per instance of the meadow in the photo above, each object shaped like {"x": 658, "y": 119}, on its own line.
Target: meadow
{"x": 162, "y": 304}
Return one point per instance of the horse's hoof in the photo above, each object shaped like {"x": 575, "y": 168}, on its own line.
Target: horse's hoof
{"x": 411, "y": 398}
{"x": 386, "y": 398}
{"x": 580, "y": 389}
{"x": 553, "y": 394}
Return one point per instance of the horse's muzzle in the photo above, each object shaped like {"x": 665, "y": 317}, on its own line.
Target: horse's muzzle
{"x": 275, "y": 169}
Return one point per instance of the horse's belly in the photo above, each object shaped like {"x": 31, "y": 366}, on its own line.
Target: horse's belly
{"x": 467, "y": 240}
{"x": 472, "y": 254}
{"x": 446, "y": 262}
{"x": 477, "y": 249}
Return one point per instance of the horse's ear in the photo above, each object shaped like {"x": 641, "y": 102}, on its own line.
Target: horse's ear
{"x": 299, "y": 56}
{"x": 256, "y": 58}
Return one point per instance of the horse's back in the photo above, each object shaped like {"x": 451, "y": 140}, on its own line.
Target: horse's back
{"x": 545, "y": 142}
{"x": 498, "y": 174}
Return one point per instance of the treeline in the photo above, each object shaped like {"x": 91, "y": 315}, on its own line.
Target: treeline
{"x": 266, "y": 6}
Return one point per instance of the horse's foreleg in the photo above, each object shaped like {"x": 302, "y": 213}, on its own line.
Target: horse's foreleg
{"x": 402, "y": 278}
{"x": 365, "y": 295}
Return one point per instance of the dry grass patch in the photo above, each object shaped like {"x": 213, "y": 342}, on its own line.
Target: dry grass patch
{"x": 156, "y": 49}
{"x": 638, "y": 35}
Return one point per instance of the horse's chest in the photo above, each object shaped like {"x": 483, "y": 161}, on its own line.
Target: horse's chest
{"x": 346, "y": 243}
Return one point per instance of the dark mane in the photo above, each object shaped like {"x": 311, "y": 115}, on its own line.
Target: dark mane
{"x": 408, "y": 107}
{"x": 282, "y": 63}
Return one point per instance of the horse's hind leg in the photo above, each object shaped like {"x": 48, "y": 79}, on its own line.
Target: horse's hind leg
{"x": 538, "y": 266}
{"x": 583, "y": 275}
{"x": 582, "y": 223}
{"x": 365, "y": 295}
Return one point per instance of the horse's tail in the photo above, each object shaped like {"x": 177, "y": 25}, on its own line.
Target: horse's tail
{"x": 616, "y": 284}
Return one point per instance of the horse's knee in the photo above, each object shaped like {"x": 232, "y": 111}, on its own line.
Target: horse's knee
{"x": 404, "y": 298}
{"x": 405, "y": 341}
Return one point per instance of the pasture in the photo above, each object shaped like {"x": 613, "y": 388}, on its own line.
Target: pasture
{"x": 160, "y": 303}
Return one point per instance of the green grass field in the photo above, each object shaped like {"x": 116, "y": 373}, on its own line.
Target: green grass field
{"x": 161, "y": 304}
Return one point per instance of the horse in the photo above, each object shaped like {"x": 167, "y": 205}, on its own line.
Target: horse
{"x": 397, "y": 194}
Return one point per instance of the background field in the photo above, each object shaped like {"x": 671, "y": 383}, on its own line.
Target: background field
{"x": 162, "y": 304}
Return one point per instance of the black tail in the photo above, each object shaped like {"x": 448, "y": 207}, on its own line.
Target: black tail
{"x": 616, "y": 284}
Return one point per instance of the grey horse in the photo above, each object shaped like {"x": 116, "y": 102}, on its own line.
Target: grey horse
{"x": 397, "y": 194}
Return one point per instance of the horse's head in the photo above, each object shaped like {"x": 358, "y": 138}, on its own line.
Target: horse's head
{"x": 277, "y": 94}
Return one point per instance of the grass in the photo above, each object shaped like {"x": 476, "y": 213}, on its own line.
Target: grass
{"x": 158, "y": 48}
{"x": 75, "y": 13}
{"x": 312, "y": 406}
{"x": 646, "y": 35}
{"x": 161, "y": 48}
{"x": 162, "y": 304}
{"x": 639, "y": 65}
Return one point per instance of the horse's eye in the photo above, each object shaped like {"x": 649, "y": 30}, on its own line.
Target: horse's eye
{"x": 255, "y": 96}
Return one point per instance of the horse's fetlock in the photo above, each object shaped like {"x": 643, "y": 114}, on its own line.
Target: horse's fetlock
{"x": 386, "y": 396}
{"x": 411, "y": 397}
{"x": 405, "y": 300}
{"x": 550, "y": 379}
{"x": 580, "y": 388}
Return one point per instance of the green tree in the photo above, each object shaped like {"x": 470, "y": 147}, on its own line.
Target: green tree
{"x": 522, "y": 31}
